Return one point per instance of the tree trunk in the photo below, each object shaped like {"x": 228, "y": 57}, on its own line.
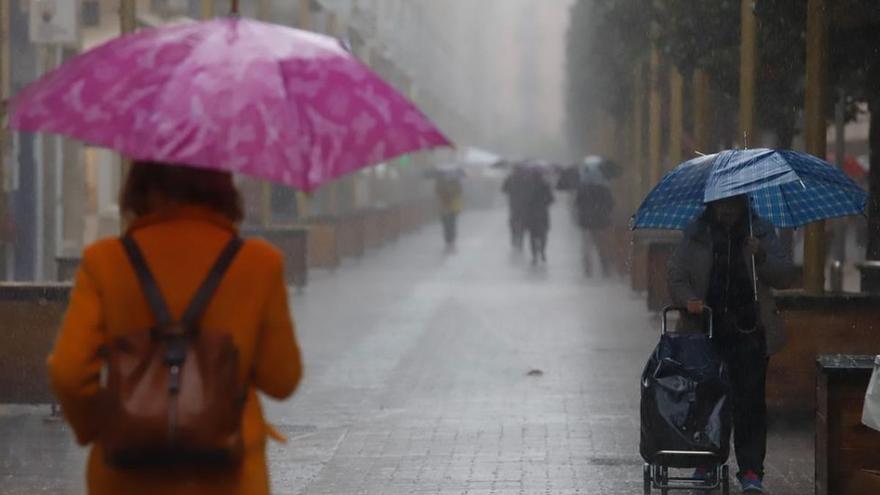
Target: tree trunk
{"x": 785, "y": 130}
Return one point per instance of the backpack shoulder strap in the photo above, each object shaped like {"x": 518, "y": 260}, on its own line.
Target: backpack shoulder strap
{"x": 147, "y": 281}
{"x": 212, "y": 281}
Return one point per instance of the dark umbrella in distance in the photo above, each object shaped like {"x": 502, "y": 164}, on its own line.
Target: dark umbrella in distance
{"x": 587, "y": 171}
{"x": 609, "y": 168}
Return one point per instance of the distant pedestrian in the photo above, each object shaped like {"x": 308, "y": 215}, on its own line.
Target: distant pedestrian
{"x": 167, "y": 396}
{"x": 594, "y": 205}
{"x": 538, "y": 198}
{"x": 449, "y": 196}
{"x": 516, "y": 187}
{"x": 712, "y": 266}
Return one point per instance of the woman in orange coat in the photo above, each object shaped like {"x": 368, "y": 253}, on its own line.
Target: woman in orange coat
{"x": 181, "y": 218}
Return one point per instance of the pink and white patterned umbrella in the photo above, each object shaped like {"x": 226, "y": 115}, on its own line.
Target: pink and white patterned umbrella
{"x": 229, "y": 94}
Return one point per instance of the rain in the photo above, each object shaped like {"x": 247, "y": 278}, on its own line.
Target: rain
{"x": 439, "y": 247}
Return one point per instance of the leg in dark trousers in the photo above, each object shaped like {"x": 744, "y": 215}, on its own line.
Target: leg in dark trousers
{"x": 449, "y": 228}
{"x": 538, "y": 239}
{"x": 535, "y": 243}
{"x": 746, "y": 357}
{"x": 517, "y": 232}
{"x": 588, "y": 241}
{"x": 603, "y": 239}
{"x": 543, "y": 241}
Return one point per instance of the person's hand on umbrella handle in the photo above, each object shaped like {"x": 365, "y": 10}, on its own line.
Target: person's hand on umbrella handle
{"x": 753, "y": 248}
{"x": 695, "y": 307}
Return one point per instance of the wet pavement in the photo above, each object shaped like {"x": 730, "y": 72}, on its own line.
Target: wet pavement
{"x": 429, "y": 372}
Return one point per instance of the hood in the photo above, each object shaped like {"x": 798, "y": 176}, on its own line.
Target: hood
{"x": 698, "y": 230}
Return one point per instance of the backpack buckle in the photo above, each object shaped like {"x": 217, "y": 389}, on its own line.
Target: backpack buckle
{"x": 175, "y": 355}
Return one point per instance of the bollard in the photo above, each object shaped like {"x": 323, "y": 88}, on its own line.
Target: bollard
{"x": 836, "y": 276}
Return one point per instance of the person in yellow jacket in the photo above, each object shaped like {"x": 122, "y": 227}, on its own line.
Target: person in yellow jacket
{"x": 181, "y": 218}
{"x": 449, "y": 195}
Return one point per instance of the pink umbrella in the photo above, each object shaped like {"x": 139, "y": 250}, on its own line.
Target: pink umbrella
{"x": 231, "y": 94}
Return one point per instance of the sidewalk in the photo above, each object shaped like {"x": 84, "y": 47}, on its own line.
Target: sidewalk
{"x": 418, "y": 381}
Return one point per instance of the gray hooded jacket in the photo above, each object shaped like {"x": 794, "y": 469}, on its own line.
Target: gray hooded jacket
{"x": 689, "y": 275}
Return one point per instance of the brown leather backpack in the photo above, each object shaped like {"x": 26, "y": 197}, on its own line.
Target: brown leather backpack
{"x": 171, "y": 394}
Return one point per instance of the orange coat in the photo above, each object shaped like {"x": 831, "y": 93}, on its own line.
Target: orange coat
{"x": 251, "y": 303}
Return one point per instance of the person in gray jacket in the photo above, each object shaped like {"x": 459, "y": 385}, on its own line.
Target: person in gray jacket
{"x": 712, "y": 266}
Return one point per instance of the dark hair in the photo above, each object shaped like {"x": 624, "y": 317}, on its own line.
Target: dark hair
{"x": 180, "y": 185}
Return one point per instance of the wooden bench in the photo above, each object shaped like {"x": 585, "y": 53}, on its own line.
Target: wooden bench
{"x": 649, "y": 273}
{"x": 66, "y": 267}
{"x": 389, "y": 225}
{"x": 293, "y": 242}
{"x": 864, "y": 482}
{"x": 372, "y": 228}
{"x": 823, "y": 324}
{"x": 622, "y": 244}
{"x": 638, "y": 275}
{"x": 844, "y": 446}
{"x": 400, "y": 220}
{"x": 323, "y": 240}
{"x": 352, "y": 235}
{"x": 31, "y": 314}
{"x": 411, "y": 216}
{"x": 427, "y": 211}
{"x": 659, "y": 252}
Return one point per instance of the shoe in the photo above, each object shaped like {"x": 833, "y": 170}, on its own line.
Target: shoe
{"x": 751, "y": 482}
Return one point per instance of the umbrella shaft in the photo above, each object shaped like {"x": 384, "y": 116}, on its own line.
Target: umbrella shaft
{"x": 234, "y": 7}
{"x": 754, "y": 267}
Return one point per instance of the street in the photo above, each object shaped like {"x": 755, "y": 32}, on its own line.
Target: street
{"x": 465, "y": 373}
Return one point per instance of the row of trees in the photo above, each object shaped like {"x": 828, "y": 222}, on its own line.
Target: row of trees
{"x": 609, "y": 39}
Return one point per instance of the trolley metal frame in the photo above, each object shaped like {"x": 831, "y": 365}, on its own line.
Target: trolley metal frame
{"x": 656, "y": 474}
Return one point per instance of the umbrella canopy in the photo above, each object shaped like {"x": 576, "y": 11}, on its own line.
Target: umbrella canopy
{"x": 229, "y": 94}
{"x": 446, "y": 171}
{"x": 788, "y": 188}
{"x": 594, "y": 169}
{"x": 480, "y": 157}
{"x": 608, "y": 168}
{"x": 592, "y": 174}
{"x": 542, "y": 166}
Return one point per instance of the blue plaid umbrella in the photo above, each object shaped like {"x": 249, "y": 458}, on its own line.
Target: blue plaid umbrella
{"x": 788, "y": 188}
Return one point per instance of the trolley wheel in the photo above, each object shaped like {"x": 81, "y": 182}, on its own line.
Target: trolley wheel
{"x": 725, "y": 480}
{"x": 646, "y": 474}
